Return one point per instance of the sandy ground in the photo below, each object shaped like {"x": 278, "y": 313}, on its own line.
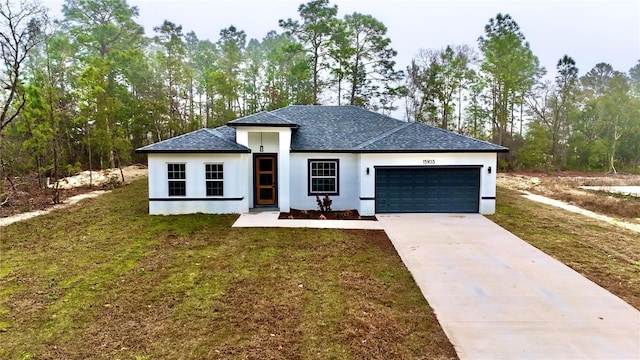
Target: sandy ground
{"x": 578, "y": 210}
{"x": 525, "y": 183}
{"x": 623, "y": 190}
{"x": 98, "y": 178}
{"x": 70, "y": 201}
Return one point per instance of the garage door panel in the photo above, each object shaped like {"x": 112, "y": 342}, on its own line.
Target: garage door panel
{"x": 427, "y": 190}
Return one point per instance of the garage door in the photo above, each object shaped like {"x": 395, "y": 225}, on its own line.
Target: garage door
{"x": 438, "y": 190}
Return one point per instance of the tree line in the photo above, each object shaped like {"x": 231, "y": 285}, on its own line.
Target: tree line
{"x": 85, "y": 90}
{"x": 499, "y": 92}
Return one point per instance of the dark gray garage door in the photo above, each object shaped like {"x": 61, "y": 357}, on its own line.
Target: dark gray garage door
{"x": 438, "y": 190}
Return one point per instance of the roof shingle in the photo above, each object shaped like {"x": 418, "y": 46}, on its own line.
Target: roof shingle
{"x": 330, "y": 129}
{"x": 219, "y": 140}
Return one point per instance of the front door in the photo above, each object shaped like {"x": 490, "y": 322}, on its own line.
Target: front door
{"x": 265, "y": 179}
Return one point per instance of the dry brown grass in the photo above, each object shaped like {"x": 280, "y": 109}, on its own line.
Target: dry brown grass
{"x": 567, "y": 188}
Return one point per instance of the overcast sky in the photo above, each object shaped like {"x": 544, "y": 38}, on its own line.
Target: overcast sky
{"x": 589, "y": 31}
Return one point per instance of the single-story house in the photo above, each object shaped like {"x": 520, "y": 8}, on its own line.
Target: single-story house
{"x": 362, "y": 159}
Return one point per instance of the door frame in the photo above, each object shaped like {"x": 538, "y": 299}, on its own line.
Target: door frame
{"x": 255, "y": 178}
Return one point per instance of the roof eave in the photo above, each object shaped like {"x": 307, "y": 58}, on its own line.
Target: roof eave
{"x": 143, "y": 151}
{"x": 293, "y": 126}
{"x": 423, "y": 151}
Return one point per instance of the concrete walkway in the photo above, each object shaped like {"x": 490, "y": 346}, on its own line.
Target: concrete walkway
{"x": 270, "y": 219}
{"x": 498, "y": 297}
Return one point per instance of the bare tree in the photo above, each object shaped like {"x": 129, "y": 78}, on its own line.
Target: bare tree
{"x": 21, "y": 24}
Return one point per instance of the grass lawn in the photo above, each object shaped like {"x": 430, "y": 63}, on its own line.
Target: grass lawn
{"x": 102, "y": 279}
{"x": 606, "y": 254}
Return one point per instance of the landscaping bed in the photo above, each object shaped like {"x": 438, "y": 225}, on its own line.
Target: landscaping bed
{"x": 324, "y": 215}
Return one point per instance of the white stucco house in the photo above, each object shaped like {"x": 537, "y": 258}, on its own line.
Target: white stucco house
{"x": 281, "y": 159}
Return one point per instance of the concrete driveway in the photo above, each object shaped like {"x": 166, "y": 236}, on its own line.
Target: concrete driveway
{"x": 497, "y": 297}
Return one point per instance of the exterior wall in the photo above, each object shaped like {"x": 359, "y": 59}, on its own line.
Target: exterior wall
{"x": 356, "y": 186}
{"x": 274, "y": 140}
{"x": 235, "y": 192}
{"x": 370, "y": 161}
{"x": 269, "y": 141}
{"x": 348, "y": 178}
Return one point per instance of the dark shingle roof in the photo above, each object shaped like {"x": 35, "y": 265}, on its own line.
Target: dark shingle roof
{"x": 354, "y": 129}
{"x": 219, "y": 140}
{"x": 262, "y": 119}
{"x": 421, "y": 137}
{"x": 330, "y": 129}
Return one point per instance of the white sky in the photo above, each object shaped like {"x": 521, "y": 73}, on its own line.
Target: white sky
{"x": 589, "y": 31}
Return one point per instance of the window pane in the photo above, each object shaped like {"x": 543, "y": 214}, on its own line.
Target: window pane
{"x": 266, "y": 194}
{"x": 266, "y": 165}
{"x": 323, "y": 185}
{"x": 323, "y": 176}
{"x": 177, "y": 188}
{"x": 266, "y": 179}
{"x": 213, "y": 172}
{"x": 176, "y": 171}
{"x": 214, "y": 188}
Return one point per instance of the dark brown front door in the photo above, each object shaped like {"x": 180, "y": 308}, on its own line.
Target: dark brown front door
{"x": 266, "y": 177}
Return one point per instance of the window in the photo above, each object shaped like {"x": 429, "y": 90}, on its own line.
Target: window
{"x": 213, "y": 176}
{"x": 177, "y": 175}
{"x": 323, "y": 177}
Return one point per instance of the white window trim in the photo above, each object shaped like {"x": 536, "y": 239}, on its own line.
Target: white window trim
{"x": 176, "y": 180}
{"x": 217, "y": 180}
{"x": 311, "y": 177}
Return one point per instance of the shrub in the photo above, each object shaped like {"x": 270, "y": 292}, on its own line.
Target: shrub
{"x": 324, "y": 204}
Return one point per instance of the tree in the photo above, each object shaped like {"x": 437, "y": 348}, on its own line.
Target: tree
{"x": 21, "y": 26}
{"x": 288, "y": 79}
{"x": 510, "y": 66}
{"x": 554, "y": 105}
{"x": 225, "y": 78}
{"x": 366, "y": 61}
{"x": 634, "y": 78}
{"x": 437, "y": 79}
{"x": 564, "y": 105}
{"x": 478, "y": 114}
{"x": 105, "y": 34}
{"x": 203, "y": 61}
{"x": 314, "y": 31}
{"x": 609, "y": 105}
{"x": 171, "y": 66}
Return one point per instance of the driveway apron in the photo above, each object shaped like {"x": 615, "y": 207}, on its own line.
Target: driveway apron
{"x": 497, "y": 297}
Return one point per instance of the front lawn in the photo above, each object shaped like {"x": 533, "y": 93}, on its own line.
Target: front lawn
{"x": 104, "y": 280}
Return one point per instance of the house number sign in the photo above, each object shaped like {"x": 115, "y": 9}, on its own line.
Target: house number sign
{"x": 428, "y": 162}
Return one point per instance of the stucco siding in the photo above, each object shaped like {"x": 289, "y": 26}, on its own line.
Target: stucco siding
{"x": 234, "y": 199}
{"x": 274, "y": 140}
{"x": 348, "y": 178}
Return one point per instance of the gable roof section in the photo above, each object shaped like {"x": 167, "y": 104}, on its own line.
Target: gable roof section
{"x": 219, "y": 140}
{"x": 268, "y": 119}
{"x": 329, "y": 129}
{"x": 334, "y": 128}
{"x": 354, "y": 129}
{"x": 424, "y": 138}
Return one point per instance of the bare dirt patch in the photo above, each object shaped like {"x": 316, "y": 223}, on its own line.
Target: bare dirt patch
{"x": 29, "y": 199}
{"x": 101, "y": 178}
{"x": 567, "y": 187}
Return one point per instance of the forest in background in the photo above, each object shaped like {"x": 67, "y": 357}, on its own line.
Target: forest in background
{"x": 86, "y": 90}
